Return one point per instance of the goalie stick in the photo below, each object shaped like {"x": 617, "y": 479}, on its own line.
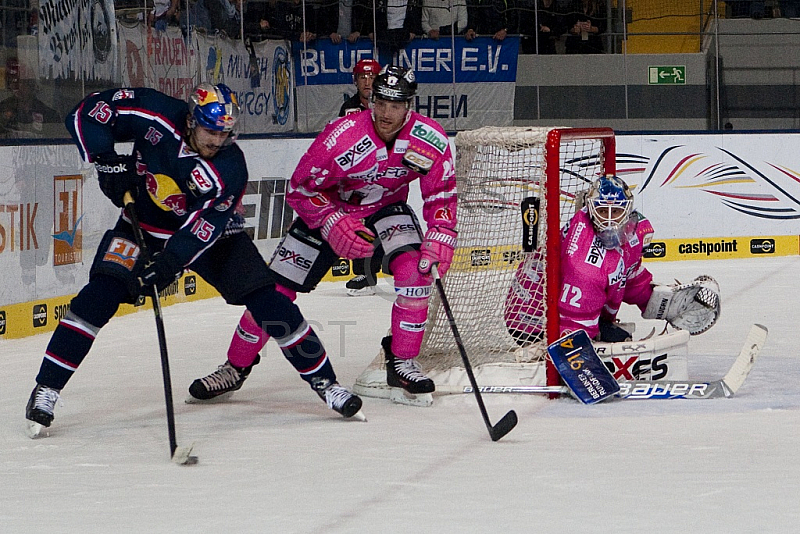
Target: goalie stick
{"x": 179, "y": 455}
{"x": 671, "y": 389}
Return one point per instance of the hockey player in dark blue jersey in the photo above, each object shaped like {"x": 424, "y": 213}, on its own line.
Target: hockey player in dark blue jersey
{"x": 187, "y": 176}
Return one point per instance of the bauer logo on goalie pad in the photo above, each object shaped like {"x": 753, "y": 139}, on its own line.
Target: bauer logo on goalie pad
{"x": 581, "y": 369}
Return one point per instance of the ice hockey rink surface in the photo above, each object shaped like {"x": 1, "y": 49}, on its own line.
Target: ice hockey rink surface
{"x": 275, "y": 459}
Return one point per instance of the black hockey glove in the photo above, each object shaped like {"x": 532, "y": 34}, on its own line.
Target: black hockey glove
{"x": 117, "y": 174}
{"x": 161, "y": 272}
{"x": 612, "y": 332}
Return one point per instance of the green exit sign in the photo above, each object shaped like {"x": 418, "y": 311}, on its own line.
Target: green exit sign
{"x": 667, "y": 75}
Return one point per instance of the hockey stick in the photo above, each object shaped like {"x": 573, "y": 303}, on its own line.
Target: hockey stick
{"x": 179, "y": 455}
{"x": 509, "y": 420}
{"x": 724, "y": 387}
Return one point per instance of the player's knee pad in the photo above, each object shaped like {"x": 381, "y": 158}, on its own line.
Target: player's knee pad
{"x": 397, "y": 231}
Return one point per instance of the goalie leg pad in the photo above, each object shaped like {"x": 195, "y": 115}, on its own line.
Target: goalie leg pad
{"x": 694, "y": 307}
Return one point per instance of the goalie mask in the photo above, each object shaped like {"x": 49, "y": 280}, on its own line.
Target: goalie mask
{"x": 214, "y": 107}
{"x": 610, "y": 204}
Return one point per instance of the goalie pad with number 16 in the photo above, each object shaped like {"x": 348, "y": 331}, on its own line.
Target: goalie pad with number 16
{"x": 694, "y": 307}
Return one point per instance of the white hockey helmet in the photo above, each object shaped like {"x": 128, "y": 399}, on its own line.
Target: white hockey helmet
{"x": 610, "y": 204}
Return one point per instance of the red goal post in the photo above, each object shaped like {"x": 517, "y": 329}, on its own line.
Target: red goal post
{"x": 504, "y": 297}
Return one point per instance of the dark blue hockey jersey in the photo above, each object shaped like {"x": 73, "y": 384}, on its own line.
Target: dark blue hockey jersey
{"x": 183, "y": 198}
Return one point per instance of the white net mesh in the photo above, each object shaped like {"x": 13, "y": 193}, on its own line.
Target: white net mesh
{"x": 496, "y": 291}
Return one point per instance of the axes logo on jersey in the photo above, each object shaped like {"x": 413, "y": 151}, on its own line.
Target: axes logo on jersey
{"x": 356, "y": 153}
{"x": 166, "y": 194}
{"x": 596, "y": 254}
{"x": 294, "y": 258}
{"x": 2, "y": 322}
{"x": 393, "y": 231}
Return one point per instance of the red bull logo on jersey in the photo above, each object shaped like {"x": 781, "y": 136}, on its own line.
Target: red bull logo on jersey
{"x": 166, "y": 194}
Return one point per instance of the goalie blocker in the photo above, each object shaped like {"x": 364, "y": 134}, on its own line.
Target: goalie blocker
{"x": 693, "y": 307}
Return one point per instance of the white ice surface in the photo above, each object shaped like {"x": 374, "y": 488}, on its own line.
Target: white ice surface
{"x": 275, "y": 459}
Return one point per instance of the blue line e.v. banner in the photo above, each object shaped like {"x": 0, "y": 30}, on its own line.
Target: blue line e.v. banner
{"x": 462, "y": 84}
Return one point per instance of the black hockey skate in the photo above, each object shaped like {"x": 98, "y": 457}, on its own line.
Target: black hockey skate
{"x": 220, "y": 384}
{"x": 407, "y": 375}
{"x": 39, "y": 411}
{"x": 338, "y": 398}
{"x": 360, "y": 286}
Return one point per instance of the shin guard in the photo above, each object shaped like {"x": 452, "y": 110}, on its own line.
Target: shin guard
{"x": 410, "y": 309}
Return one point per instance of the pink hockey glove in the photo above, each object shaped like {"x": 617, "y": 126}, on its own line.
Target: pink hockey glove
{"x": 437, "y": 247}
{"x": 347, "y": 236}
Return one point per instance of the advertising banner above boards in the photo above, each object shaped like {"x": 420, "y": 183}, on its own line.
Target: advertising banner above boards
{"x": 462, "y": 84}
{"x": 711, "y": 196}
{"x": 259, "y": 73}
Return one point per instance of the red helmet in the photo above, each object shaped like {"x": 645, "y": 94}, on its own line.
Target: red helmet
{"x": 367, "y": 66}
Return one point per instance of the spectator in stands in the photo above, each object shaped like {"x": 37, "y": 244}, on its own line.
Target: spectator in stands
{"x": 226, "y": 16}
{"x": 336, "y": 21}
{"x": 398, "y": 22}
{"x": 197, "y": 17}
{"x": 290, "y": 23}
{"x": 495, "y": 18}
{"x": 439, "y": 18}
{"x": 163, "y": 13}
{"x": 540, "y": 28}
{"x": 585, "y": 24}
{"x": 258, "y": 17}
{"x": 23, "y": 115}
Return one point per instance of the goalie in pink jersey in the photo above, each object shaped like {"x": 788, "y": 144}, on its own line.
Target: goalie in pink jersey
{"x": 601, "y": 267}
{"x": 350, "y": 192}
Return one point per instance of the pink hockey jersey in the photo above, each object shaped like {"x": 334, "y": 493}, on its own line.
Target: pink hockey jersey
{"x": 594, "y": 281}
{"x": 349, "y": 168}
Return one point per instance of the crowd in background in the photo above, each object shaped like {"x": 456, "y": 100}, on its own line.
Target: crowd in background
{"x": 576, "y": 25}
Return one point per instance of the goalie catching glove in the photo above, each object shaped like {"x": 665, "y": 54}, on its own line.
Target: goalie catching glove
{"x": 693, "y": 307}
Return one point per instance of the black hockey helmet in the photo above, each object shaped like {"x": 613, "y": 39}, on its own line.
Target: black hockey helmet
{"x": 395, "y": 83}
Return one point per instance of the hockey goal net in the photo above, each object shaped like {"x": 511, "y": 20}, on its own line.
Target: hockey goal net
{"x": 516, "y": 188}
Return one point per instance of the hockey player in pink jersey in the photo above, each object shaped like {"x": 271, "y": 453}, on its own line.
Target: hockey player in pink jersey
{"x": 350, "y": 192}
{"x": 601, "y": 267}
